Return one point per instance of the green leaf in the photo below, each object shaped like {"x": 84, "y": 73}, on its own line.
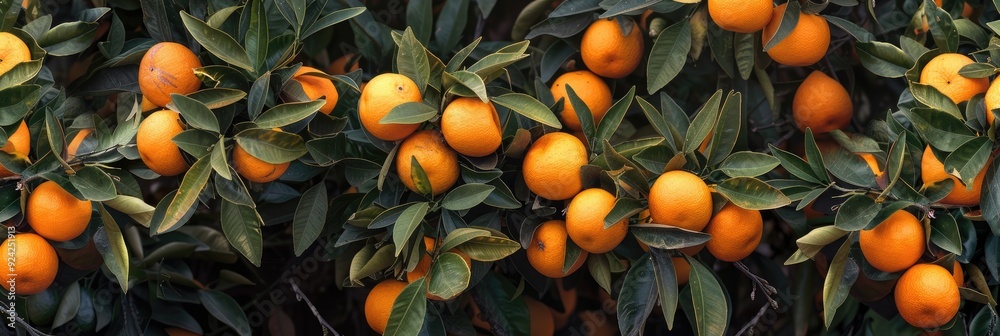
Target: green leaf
{"x": 613, "y": 118}
{"x": 852, "y": 28}
{"x": 894, "y": 163}
{"x": 111, "y": 244}
{"x": 884, "y": 59}
{"x": 666, "y": 283}
{"x": 815, "y": 158}
{"x": 668, "y": 56}
{"x": 942, "y": 28}
{"x": 217, "y": 42}
{"x": 333, "y": 18}
{"x": 310, "y": 217}
{"x": 274, "y": 147}
{"x": 931, "y": 97}
{"x": 419, "y": 177}
{"x": 94, "y": 184}
{"x": 489, "y": 248}
{"x": 68, "y": 306}
{"x": 856, "y": 213}
{"x": 744, "y": 53}
{"x": 456, "y": 61}
{"x": 195, "y": 113}
{"x": 218, "y": 157}
{"x": 16, "y": 101}
{"x": 664, "y": 236}
{"x": 409, "y": 309}
{"x": 417, "y": 12}
{"x": 469, "y": 85}
{"x": 287, "y": 114}
{"x": 241, "y": 225}
{"x": 990, "y": 199}
{"x": 711, "y": 310}
{"x": 407, "y": 224}
{"x": 368, "y": 261}
{"x": 411, "y": 60}
{"x": 68, "y": 38}
{"x": 466, "y": 196}
{"x": 191, "y": 186}
{"x": 583, "y": 114}
{"x": 459, "y": 236}
{"x": 409, "y": 113}
{"x": 788, "y": 21}
{"x": 451, "y": 24}
{"x": 225, "y": 309}
{"x": 449, "y": 276}
{"x": 256, "y": 38}
{"x": 701, "y": 126}
{"x": 622, "y": 210}
{"x": 941, "y": 130}
{"x": 600, "y": 270}
{"x": 752, "y": 194}
{"x": 132, "y": 206}
{"x": 727, "y": 129}
{"x": 945, "y": 234}
{"x": 839, "y": 279}
{"x": 20, "y": 73}
{"x": 528, "y": 107}
{"x": 54, "y": 133}
{"x": 811, "y": 243}
{"x": 794, "y": 165}
{"x": 977, "y": 70}
{"x": 637, "y": 297}
{"x": 968, "y": 160}
{"x": 748, "y": 164}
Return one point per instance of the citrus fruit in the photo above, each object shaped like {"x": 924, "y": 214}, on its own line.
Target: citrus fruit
{"x": 438, "y": 161}
{"x": 74, "y": 145}
{"x": 680, "y": 199}
{"x": 383, "y": 93}
{"x": 154, "y": 141}
{"x": 958, "y": 274}
{"x": 547, "y": 250}
{"x": 683, "y": 269}
{"x": 895, "y": 244}
{"x": 13, "y": 51}
{"x": 805, "y": 45}
{"x": 552, "y": 165}
{"x": 608, "y": 51}
{"x": 145, "y": 105}
{"x": 741, "y": 16}
{"x": 585, "y": 221}
{"x": 42, "y": 307}
{"x": 254, "y": 169}
{"x": 596, "y": 323}
{"x": 592, "y": 91}
{"x": 873, "y": 164}
{"x": 471, "y": 127}
{"x": 926, "y": 296}
{"x": 316, "y": 87}
{"x": 735, "y": 231}
{"x": 821, "y": 104}
{"x": 568, "y": 297}
{"x": 992, "y": 101}
{"x": 942, "y": 73}
{"x": 19, "y": 144}
{"x": 966, "y": 9}
{"x": 35, "y": 264}
{"x": 49, "y": 198}
{"x": 932, "y": 171}
{"x": 339, "y": 66}
{"x": 540, "y": 317}
{"x": 167, "y": 68}
{"x": 174, "y": 331}
{"x": 378, "y": 304}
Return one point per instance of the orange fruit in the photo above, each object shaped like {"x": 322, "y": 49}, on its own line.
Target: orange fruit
{"x": 382, "y": 93}
{"x": 471, "y": 127}
{"x": 992, "y": 100}
{"x": 35, "y": 263}
{"x": 895, "y": 244}
{"x": 424, "y": 264}
{"x": 155, "y": 145}
{"x": 438, "y": 161}
{"x": 683, "y": 269}
{"x": 19, "y": 144}
{"x": 596, "y": 323}
{"x": 926, "y": 296}
{"x": 540, "y": 317}
{"x": 608, "y": 52}
{"x": 735, "y": 231}
{"x": 568, "y": 297}
{"x": 805, "y": 45}
{"x": 741, "y": 16}
{"x": 681, "y": 199}
{"x": 966, "y": 9}
{"x": 378, "y": 304}
{"x": 942, "y": 73}
{"x": 821, "y": 104}
{"x": 316, "y": 87}
{"x": 592, "y": 91}
{"x": 547, "y": 250}
{"x": 145, "y": 105}
{"x": 585, "y": 221}
{"x": 13, "y": 51}
{"x": 873, "y": 164}
{"x": 254, "y": 169}
{"x": 958, "y": 274}
{"x": 172, "y": 331}
{"x": 74, "y": 145}
{"x": 552, "y": 165}
{"x": 49, "y": 198}
{"x": 932, "y": 170}
{"x": 339, "y": 65}
{"x": 167, "y": 68}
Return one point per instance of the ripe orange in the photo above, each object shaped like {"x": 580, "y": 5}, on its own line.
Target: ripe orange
{"x": 585, "y": 221}
{"x": 316, "y": 87}
{"x": 254, "y": 169}
{"x": 735, "y": 231}
{"x": 167, "y": 68}
{"x": 992, "y": 100}
{"x": 540, "y": 317}
{"x": 926, "y": 296}
{"x": 471, "y": 127}
{"x": 608, "y": 52}
{"x": 966, "y": 9}
{"x": 547, "y": 250}
{"x": 34, "y": 264}
{"x": 592, "y": 91}
{"x": 339, "y": 65}
{"x": 873, "y": 164}
{"x": 681, "y": 199}
{"x": 382, "y": 93}
{"x": 932, "y": 170}
{"x": 74, "y": 145}
{"x": 805, "y": 45}
{"x": 597, "y": 323}
{"x": 145, "y": 105}
{"x": 378, "y": 304}
{"x": 942, "y": 73}
{"x": 19, "y": 144}
{"x": 895, "y": 244}
{"x": 155, "y": 145}
{"x": 741, "y": 16}
{"x": 438, "y": 161}
{"x": 958, "y": 274}
{"x": 172, "y": 331}
{"x": 13, "y": 51}
{"x": 552, "y": 165}
{"x": 424, "y": 264}
{"x": 49, "y": 198}
{"x": 821, "y": 104}
{"x": 568, "y": 297}
{"x": 683, "y": 269}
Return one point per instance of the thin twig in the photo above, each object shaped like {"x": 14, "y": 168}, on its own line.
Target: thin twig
{"x": 302, "y": 297}
{"x": 759, "y": 282}
{"x": 753, "y": 321}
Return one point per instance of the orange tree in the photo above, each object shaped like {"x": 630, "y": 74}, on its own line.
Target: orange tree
{"x": 526, "y": 168}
